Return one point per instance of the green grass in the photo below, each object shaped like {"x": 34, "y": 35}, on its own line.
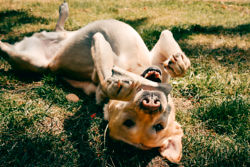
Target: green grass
{"x": 39, "y": 127}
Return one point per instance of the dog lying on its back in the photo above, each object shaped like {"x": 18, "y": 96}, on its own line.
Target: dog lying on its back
{"x": 109, "y": 57}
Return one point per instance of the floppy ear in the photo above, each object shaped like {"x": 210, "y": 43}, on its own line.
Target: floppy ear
{"x": 172, "y": 146}
{"x": 164, "y": 87}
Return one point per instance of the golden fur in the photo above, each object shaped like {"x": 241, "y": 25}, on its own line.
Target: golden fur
{"x": 108, "y": 57}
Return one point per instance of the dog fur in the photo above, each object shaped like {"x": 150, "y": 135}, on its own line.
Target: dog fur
{"x": 108, "y": 57}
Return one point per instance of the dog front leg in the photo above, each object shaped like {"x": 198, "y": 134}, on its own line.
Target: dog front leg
{"x": 110, "y": 87}
{"x": 117, "y": 83}
{"x": 168, "y": 55}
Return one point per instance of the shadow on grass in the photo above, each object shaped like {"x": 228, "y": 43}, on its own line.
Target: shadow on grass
{"x": 29, "y": 149}
{"x": 134, "y": 23}
{"x": 230, "y": 57}
{"x": 26, "y": 77}
{"x": 77, "y": 127}
{"x": 10, "y": 19}
{"x": 179, "y": 31}
{"x": 151, "y": 34}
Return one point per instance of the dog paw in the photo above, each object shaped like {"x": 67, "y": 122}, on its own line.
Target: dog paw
{"x": 64, "y": 9}
{"x": 121, "y": 89}
{"x": 177, "y": 65}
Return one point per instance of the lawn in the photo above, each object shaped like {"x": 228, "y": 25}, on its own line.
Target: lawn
{"x": 39, "y": 127}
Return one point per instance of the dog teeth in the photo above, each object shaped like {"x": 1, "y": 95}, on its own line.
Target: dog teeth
{"x": 157, "y": 74}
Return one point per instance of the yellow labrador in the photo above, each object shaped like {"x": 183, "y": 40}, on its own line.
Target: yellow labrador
{"x": 110, "y": 58}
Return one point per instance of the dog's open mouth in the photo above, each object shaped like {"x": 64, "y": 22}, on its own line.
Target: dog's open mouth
{"x": 153, "y": 74}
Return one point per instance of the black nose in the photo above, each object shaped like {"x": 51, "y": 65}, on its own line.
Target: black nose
{"x": 151, "y": 102}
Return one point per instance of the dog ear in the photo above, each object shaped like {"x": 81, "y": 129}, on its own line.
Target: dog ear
{"x": 164, "y": 87}
{"x": 172, "y": 147}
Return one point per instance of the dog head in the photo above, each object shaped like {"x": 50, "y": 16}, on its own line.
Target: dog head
{"x": 147, "y": 121}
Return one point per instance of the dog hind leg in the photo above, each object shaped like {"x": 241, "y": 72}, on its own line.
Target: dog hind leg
{"x": 63, "y": 15}
{"x": 36, "y": 52}
{"x": 22, "y": 60}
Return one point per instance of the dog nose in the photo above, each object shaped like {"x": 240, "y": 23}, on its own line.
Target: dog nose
{"x": 151, "y": 103}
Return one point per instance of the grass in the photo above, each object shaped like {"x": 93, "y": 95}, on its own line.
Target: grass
{"x": 39, "y": 127}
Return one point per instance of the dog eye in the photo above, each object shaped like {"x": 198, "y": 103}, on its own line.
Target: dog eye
{"x": 158, "y": 127}
{"x": 129, "y": 123}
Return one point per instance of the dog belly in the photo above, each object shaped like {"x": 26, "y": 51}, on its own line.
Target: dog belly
{"x": 74, "y": 65}
{"x": 75, "y": 57}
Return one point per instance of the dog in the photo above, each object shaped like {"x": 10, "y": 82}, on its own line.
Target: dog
{"x": 109, "y": 58}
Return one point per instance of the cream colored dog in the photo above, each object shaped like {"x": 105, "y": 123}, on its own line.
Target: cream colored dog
{"x": 110, "y": 58}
